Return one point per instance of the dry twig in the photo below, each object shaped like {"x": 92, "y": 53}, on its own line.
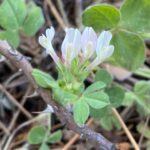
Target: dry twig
{"x": 126, "y": 130}
{"x": 56, "y": 14}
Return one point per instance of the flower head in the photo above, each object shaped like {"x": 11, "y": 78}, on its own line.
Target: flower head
{"x": 75, "y": 44}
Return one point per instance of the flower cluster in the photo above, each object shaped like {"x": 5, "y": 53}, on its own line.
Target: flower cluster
{"x": 85, "y": 47}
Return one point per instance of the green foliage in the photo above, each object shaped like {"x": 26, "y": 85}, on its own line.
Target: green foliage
{"x": 129, "y": 49}
{"x": 144, "y": 72}
{"x": 142, "y": 92}
{"x": 43, "y": 79}
{"x": 127, "y": 30}
{"x": 107, "y": 119}
{"x": 65, "y": 94}
{"x": 116, "y": 95}
{"x": 33, "y": 21}
{"x": 37, "y": 135}
{"x": 80, "y": 112}
{"x": 44, "y": 146}
{"x": 97, "y": 99}
{"x": 21, "y": 17}
{"x": 140, "y": 96}
{"x": 54, "y": 137}
{"x": 96, "y": 86}
{"x": 144, "y": 130}
{"x": 101, "y": 17}
{"x": 135, "y": 15}
{"x": 94, "y": 97}
{"x": 103, "y": 75}
{"x": 41, "y": 135}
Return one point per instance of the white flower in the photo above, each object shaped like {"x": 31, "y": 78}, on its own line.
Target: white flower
{"x": 103, "y": 49}
{"x": 46, "y": 42}
{"x": 88, "y": 42}
{"x": 71, "y": 45}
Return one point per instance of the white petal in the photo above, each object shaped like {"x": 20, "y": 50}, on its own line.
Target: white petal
{"x": 43, "y": 41}
{"x": 50, "y": 34}
{"x": 103, "y": 41}
{"x": 76, "y": 42}
{"x": 71, "y": 44}
{"x": 106, "y": 53}
{"x": 88, "y": 42}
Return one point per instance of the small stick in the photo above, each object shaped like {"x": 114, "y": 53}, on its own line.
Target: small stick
{"x": 29, "y": 116}
{"x": 78, "y": 13}
{"x": 76, "y": 136}
{"x": 56, "y": 14}
{"x": 2, "y": 126}
{"x": 15, "y": 116}
{"x": 61, "y": 9}
{"x": 126, "y": 130}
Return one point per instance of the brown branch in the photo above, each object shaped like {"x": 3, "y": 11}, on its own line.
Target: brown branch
{"x": 65, "y": 117}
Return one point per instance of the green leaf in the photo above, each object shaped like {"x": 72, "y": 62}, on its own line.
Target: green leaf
{"x": 107, "y": 119}
{"x": 34, "y": 20}
{"x": 101, "y": 17}
{"x": 142, "y": 88}
{"x": 7, "y": 35}
{"x": 54, "y": 137}
{"x": 129, "y": 49}
{"x": 80, "y": 112}
{"x": 142, "y": 103}
{"x": 98, "y": 113}
{"x": 144, "y": 72}
{"x": 144, "y": 130}
{"x": 96, "y": 86}
{"x": 37, "y": 135}
{"x": 142, "y": 95}
{"x": 135, "y": 15}
{"x": 103, "y": 75}
{"x": 43, "y": 79}
{"x": 128, "y": 99}
{"x": 13, "y": 18}
{"x": 44, "y": 146}
{"x": 116, "y": 95}
{"x": 109, "y": 122}
{"x": 96, "y": 100}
